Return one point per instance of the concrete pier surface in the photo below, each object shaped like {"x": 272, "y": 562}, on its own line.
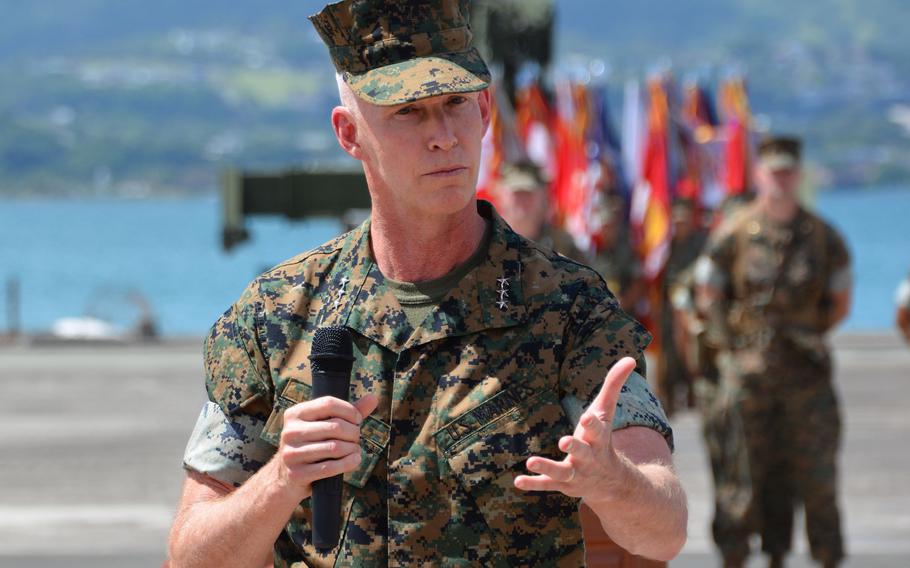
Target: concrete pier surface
{"x": 91, "y": 439}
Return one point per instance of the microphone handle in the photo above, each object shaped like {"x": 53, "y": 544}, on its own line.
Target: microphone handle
{"x": 326, "y": 498}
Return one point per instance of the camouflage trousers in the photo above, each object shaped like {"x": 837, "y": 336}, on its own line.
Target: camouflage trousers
{"x": 791, "y": 423}
{"x": 725, "y": 442}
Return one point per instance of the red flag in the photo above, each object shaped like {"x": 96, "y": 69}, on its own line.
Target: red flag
{"x": 491, "y": 156}
{"x": 737, "y": 153}
{"x": 534, "y": 125}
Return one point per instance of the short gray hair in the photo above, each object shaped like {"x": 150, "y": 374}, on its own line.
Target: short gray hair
{"x": 345, "y": 95}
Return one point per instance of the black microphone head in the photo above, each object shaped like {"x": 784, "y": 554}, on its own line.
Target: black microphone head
{"x": 332, "y": 349}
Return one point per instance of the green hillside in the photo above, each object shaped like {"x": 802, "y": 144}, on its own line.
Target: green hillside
{"x": 136, "y": 98}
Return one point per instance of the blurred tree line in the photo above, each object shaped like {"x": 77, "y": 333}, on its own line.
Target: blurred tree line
{"x": 103, "y": 97}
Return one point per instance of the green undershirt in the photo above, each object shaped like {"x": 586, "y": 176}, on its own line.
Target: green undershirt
{"x": 418, "y": 299}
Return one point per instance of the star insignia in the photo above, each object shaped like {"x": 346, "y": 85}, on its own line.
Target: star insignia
{"x": 503, "y": 282}
{"x": 502, "y": 304}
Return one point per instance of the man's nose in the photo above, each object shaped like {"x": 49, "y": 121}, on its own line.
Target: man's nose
{"x": 442, "y": 132}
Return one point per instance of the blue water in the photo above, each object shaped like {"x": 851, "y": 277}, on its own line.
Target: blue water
{"x": 876, "y": 225}
{"x": 74, "y": 257}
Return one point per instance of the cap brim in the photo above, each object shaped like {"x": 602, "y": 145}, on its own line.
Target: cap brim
{"x": 779, "y": 162}
{"x": 421, "y": 77}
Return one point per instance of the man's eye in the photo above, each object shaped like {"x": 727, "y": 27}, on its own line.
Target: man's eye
{"x": 457, "y": 100}
{"x": 404, "y": 111}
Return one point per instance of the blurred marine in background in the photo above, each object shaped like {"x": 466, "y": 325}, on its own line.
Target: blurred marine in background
{"x": 675, "y": 377}
{"x": 522, "y": 199}
{"x": 615, "y": 258}
{"x": 775, "y": 280}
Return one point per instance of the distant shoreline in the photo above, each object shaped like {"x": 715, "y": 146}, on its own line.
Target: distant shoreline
{"x": 213, "y": 194}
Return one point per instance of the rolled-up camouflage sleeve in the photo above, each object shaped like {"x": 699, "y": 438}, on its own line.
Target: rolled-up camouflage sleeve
{"x": 226, "y": 443}
{"x": 599, "y": 336}
{"x": 226, "y": 448}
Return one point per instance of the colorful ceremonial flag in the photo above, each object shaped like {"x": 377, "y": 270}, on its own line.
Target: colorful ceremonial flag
{"x": 499, "y": 145}
{"x": 700, "y": 117}
{"x": 737, "y": 129}
{"x": 534, "y": 127}
{"x": 571, "y": 175}
{"x": 634, "y": 135}
{"x": 650, "y": 214}
{"x": 490, "y": 157}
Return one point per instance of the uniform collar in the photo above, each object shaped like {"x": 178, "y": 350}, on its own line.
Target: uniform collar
{"x": 489, "y": 297}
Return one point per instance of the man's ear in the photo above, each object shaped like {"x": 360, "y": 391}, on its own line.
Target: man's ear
{"x": 345, "y": 127}
{"x": 485, "y": 101}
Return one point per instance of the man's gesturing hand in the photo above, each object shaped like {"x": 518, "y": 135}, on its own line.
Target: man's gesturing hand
{"x": 321, "y": 438}
{"x": 592, "y": 470}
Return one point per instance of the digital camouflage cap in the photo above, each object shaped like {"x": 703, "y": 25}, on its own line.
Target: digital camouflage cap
{"x": 396, "y": 51}
{"x": 780, "y": 152}
{"x": 521, "y": 176}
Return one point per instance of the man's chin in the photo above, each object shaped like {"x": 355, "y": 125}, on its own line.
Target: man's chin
{"x": 449, "y": 200}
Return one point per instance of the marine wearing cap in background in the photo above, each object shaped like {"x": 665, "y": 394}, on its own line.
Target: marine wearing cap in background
{"x": 615, "y": 259}
{"x": 523, "y": 202}
{"x": 776, "y": 279}
{"x": 674, "y": 380}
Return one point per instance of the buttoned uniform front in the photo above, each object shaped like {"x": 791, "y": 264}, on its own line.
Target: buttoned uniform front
{"x": 497, "y": 372}
{"x": 777, "y": 279}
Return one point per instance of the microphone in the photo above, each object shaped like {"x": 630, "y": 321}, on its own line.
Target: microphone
{"x": 331, "y": 360}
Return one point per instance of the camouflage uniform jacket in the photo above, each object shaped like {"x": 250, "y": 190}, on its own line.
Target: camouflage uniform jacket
{"x": 485, "y": 382}
{"x": 778, "y": 280}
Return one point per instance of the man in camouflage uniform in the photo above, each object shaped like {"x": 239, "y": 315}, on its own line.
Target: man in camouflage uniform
{"x": 722, "y": 428}
{"x": 688, "y": 240}
{"x": 521, "y": 196}
{"x": 481, "y": 411}
{"x": 778, "y": 280}
{"x": 615, "y": 259}
{"x": 902, "y": 299}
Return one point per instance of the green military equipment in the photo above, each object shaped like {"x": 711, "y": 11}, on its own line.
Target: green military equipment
{"x": 295, "y": 194}
{"x": 512, "y": 33}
